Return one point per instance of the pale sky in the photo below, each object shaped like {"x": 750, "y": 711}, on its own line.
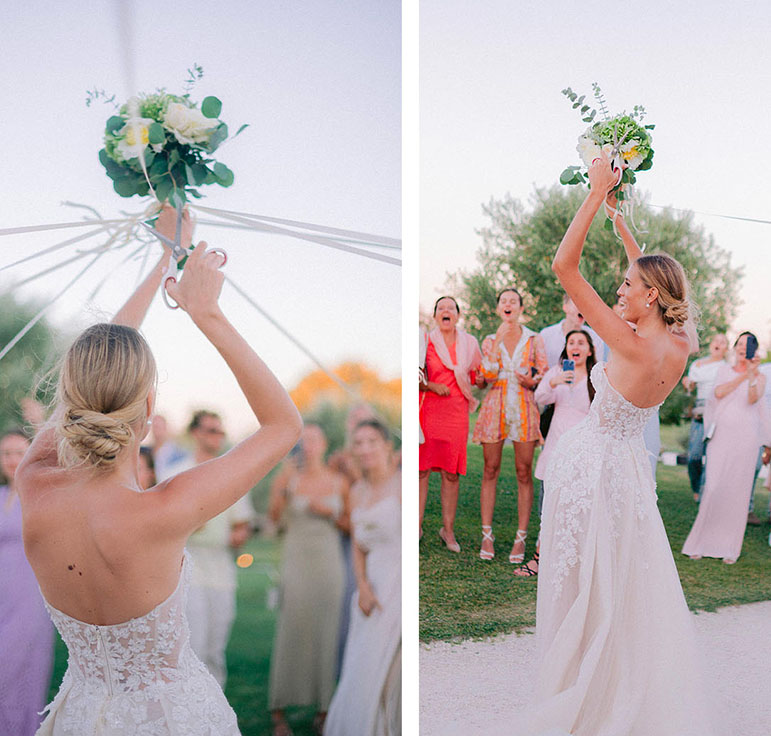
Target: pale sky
{"x": 320, "y": 85}
{"x": 493, "y": 119}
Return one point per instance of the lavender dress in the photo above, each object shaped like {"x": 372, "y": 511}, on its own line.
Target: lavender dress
{"x": 26, "y": 633}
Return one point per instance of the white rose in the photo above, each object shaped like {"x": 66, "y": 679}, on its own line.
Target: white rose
{"x": 133, "y": 138}
{"x": 188, "y": 124}
{"x": 587, "y": 149}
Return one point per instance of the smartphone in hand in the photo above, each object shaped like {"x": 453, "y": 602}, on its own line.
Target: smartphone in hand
{"x": 568, "y": 365}
{"x": 752, "y": 346}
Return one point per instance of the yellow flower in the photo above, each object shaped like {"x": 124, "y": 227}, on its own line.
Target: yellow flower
{"x": 131, "y": 138}
{"x": 630, "y": 154}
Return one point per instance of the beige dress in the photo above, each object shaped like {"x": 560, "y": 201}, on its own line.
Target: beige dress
{"x": 304, "y": 660}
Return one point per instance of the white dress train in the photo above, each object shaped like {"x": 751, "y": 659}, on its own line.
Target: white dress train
{"x": 137, "y": 678}
{"x": 617, "y": 648}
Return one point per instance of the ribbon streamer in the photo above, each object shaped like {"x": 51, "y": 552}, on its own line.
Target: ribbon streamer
{"x": 24, "y": 330}
{"x": 303, "y": 236}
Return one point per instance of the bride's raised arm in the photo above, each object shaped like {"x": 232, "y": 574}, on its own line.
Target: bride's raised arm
{"x": 633, "y": 251}
{"x": 186, "y": 501}
{"x": 133, "y": 312}
{"x": 610, "y": 327}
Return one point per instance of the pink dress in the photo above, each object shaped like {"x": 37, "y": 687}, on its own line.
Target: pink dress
{"x": 444, "y": 419}
{"x": 571, "y": 405}
{"x": 732, "y": 453}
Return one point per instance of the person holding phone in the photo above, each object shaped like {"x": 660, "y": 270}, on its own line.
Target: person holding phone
{"x": 733, "y": 423}
{"x": 513, "y": 361}
{"x": 567, "y": 387}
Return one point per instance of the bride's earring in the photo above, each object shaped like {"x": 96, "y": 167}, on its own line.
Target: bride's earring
{"x": 647, "y": 305}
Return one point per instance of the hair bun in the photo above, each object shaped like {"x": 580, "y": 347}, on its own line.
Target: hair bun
{"x": 92, "y": 437}
{"x": 677, "y": 313}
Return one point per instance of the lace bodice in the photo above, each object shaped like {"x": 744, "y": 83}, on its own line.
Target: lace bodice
{"x": 599, "y": 462}
{"x": 613, "y": 415}
{"x": 133, "y": 655}
{"x": 137, "y": 677}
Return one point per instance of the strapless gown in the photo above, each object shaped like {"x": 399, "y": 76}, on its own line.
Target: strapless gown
{"x": 137, "y": 678}
{"x": 616, "y": 642}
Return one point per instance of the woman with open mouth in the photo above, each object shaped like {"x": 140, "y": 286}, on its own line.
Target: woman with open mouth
{"x": 452, "y": 359}
{"x": 514, "y": 359}
{"x": 571, "y": 393}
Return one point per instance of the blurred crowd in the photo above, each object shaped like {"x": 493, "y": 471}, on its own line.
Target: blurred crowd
{"x": 338, "y": 636}
{"x": 537, "y": 386}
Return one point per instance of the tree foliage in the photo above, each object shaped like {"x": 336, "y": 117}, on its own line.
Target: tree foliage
{"x": 518, "y": 246}
{"x": 23, "y": 366}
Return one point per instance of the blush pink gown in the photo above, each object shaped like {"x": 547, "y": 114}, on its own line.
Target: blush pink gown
{"x": 731, "y": 457}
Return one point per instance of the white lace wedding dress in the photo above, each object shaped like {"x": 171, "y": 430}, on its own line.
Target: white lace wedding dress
{"x": 617, "y": 649}
{"x": 138, "y": 678}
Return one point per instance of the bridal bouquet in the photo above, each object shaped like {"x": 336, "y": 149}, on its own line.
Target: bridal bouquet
{"x": 624, "y": 138}
{"x": 162, "y": 143}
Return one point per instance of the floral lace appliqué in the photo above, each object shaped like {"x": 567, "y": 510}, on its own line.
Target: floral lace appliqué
{"x": 140, "y": 677}
{"x": 599, "y": 466}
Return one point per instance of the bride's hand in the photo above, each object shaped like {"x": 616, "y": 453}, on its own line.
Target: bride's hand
{"x": 199, "y": 288}
{"x": 602, "y": 176}
{"x": 166, "y": 224}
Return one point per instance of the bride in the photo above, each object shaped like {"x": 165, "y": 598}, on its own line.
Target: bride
{"x": 616, "y": 647}
{"x": 110, "y": 559}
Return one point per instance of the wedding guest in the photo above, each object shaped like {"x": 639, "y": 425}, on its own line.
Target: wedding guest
{"x": 701, "y": 375}
{"x": 310, "y": 499}
{"x": 367, "y": 701}
{"x": 554, "y": 336}
{"x": 26, "y": 633}
{"x": 452, "y": 361}
{"x": 571, "y": 392}
{"x": 765, "y": 450}
{"x": 343, "y": 462}
{"x": 146, "y": 468}
{"x": 514, "y": 359}
{"x": 211, "y": 603}
{"x": 734, "y": 423}
{"x": 166, "y": 452}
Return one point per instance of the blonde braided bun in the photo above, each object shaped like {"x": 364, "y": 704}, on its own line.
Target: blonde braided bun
{"x": 104, "y": 383}
{"x": 666, "y": 275}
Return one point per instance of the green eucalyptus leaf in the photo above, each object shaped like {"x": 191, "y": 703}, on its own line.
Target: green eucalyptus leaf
{"x": 199, "y": 174}
{"x": 224, "y": 175}
{"x": 608, "y": 225}
{"x": 163, "y": 189}
{"x": 241, "y": 129}
{"x": 195, "y": 193}
{"x": 567, "y": 176}
{"x": 125, "y": 186}
{"x": 178, "y": 198}
{"x": 114, "y": 124}
{"x": 156, "y": 134}
{"x": 211, "y": 107}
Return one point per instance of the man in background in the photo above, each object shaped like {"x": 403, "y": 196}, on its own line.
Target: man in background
{"x": 211, "y": 605}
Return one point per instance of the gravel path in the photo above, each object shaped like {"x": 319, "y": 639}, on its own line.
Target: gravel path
{"x": 477, "y": 685}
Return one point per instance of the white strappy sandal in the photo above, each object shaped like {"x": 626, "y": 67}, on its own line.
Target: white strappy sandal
{"x": 489, "y": 536}
{"x": 520, "y": 558}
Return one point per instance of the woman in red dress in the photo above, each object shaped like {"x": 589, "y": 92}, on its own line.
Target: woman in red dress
{"x": 452, "y": 358}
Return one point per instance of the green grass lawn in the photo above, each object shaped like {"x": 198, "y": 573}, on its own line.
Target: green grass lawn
{"x": 249, "y": 650}
{"x": 461, "y": 596}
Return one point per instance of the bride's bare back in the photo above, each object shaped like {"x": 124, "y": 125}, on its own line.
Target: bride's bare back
{"x": 102, "y": 550}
